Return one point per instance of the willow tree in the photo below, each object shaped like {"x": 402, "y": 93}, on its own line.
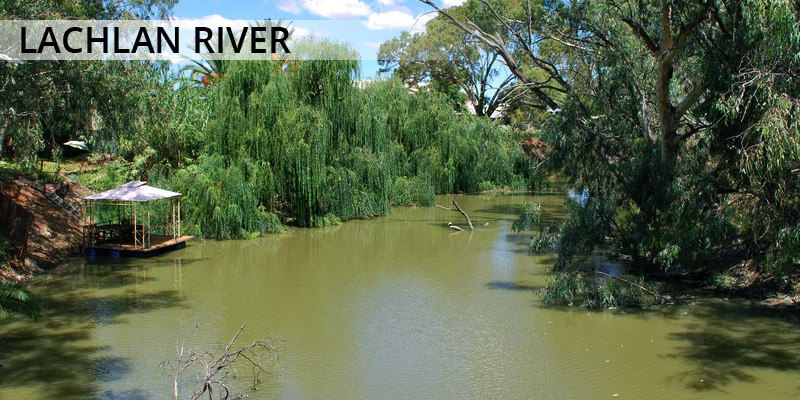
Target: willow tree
{"x": 303, "y": 143}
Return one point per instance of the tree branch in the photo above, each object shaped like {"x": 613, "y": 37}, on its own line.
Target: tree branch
{"x": 469, "y": 221}
{"x": 689, "y": 100}
{"x": 640, "y": 32}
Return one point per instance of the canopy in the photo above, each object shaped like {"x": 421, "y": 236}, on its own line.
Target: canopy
{"x": 134, "y": 191}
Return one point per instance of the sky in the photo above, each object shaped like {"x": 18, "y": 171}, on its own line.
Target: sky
{"x": 364, "y": 24}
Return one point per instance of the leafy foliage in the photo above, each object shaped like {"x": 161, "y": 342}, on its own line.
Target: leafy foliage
{"x": 16, "y": 299}
{"x": 302, "y": 142}
{"x": 411, "y": 192}
{"x": 531, "y": 214}
{"x": 673, "y": 116}
{"x": 44, "y": 104}
{"x": 571, "y": 289}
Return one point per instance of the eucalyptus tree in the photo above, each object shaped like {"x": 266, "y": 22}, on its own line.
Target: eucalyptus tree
{"x": 444, "y": 56}
{"x": 660, "y": 109}
{"x": 43, "y": 104}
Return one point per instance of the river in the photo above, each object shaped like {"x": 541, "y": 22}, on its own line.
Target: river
{"x": 397, "y": 307}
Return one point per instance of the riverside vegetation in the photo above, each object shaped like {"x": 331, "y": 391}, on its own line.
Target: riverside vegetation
{"x": 267, "y": 146}
{"x": 675, "y": 118}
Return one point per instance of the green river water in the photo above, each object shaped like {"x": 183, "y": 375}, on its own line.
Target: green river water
{"x": 397, "y": 307}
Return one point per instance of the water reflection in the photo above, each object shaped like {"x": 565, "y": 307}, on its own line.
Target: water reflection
{"x": 57, "y": 356}
{"x": 393, "y": 307}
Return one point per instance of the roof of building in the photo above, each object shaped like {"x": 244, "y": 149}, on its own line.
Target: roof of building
{"x": 134, "y": 191}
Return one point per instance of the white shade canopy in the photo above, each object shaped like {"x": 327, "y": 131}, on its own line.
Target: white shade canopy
{"x": 134, "y": 191}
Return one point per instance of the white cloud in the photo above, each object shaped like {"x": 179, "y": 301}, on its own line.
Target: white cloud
{"x": 389, "y": 20}
{"x": 387, "y": 3}
{"x": 337, "y": 9}
{"x": 398, "y": 19}
{"x": 208, "y": 20}
{"x": 372, "y": 45}
{"x": 300, "y": 32}
{"x": 422, "y": 21}
{"x": 451, "y": 3}
{"x": 290, "y": 6}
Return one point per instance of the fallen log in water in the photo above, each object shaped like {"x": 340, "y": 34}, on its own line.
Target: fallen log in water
{"x": 456, "y": 227}
{"x": 469, "y": 221}
{"x": 450, "y": 224}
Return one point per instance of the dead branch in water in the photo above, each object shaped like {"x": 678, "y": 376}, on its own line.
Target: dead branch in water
{"x": 215, "y": 368}
{"x": 450, "y": 224}
{"x": 456, "y": 227}
{"x": 469, "y": 221}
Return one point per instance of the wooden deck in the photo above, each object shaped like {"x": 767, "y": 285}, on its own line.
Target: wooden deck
{"x": 158, "y": 244}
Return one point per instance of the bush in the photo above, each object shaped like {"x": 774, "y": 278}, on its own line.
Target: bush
{"x": 570, "y": 289}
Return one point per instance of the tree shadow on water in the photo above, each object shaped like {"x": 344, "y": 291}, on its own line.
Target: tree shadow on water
{"x": 56, "y": 354}
{"x": 505, "y": 285}
{"x": 105, "y": 274}
{"x": 732, "y": 341}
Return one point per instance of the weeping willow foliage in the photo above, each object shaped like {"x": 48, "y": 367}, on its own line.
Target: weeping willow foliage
{"x": 224, "y": 200}
{"x": 570, "y": 289}
{"x": 301, "y": 141}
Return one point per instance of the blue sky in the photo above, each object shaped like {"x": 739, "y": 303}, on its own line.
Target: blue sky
{"x": 364, "y": 24}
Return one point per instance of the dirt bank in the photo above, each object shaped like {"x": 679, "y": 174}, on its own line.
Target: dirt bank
{"x": 41, "y": 233}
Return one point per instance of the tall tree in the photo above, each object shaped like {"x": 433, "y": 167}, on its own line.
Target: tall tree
{"x": 43, "y": 104}
{"x": 663, "y": 105}
{"x": 445, "y": 56}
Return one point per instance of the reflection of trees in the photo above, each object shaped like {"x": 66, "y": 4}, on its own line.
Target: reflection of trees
{"x": 55, "y": 353}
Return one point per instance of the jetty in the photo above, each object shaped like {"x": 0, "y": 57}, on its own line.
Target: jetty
{"x": 133, "y": 219}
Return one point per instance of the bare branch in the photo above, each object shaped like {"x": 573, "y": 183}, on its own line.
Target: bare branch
{"x": 469, "y": 221}
{"x": 214, "y": 369}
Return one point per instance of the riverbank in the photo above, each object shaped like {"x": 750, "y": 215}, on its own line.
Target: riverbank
{"x": 38, "y": 233}
{"x": 743, "y": 281}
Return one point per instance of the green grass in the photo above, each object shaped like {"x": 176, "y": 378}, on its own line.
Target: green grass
{"x": 8, "y": 170}
{"x": 67, "y": 167}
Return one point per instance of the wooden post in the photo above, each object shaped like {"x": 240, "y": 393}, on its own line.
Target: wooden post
{"x": 179, "y": 217}
{"x": 174, "y": 230}
{"x": 135, "y": 233}
{"x": 91, "y": 222}
{"x": 83, "y": 220}
{"x": 147, "y": 204}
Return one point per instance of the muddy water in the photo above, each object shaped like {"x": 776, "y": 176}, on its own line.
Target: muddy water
{"x": 393, "y": 307}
